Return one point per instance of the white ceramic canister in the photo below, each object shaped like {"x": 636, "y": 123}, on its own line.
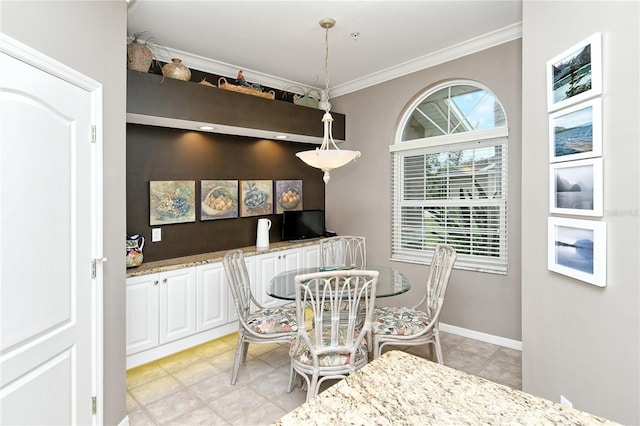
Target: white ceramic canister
{"x": 262, "y": 239}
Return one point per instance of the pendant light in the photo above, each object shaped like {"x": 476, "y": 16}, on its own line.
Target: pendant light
{"x": 328, "y": 156}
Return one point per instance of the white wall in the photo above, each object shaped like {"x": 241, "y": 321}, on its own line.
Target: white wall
{"x": 358, "y": 199}
{"x": 90, "y": 37}
{"x": 579, "y": 340}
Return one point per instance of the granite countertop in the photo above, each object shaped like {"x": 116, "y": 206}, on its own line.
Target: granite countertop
{"x": 400, "y": 389}
{"x": 212, "y": 257}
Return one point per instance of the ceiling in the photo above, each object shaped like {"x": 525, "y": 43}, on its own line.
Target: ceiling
{"x": 281, "y": 44}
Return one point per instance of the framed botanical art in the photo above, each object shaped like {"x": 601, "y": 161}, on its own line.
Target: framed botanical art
{"x": 575, "y": 187}
{"x": 576, "y": 132}
{"x": 575, "y": 74}
{"x": 256, "y": 197}
{"x": 288, "y": 195}
{"x": 218, "y": 199}
{"x": 172, "y": 201}
{"x": 578, "y": 248}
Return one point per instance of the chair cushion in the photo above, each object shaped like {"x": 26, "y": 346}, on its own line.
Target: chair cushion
{"x": 281, "y": 319}
{"x": 399, "y": 321}
{"x": 303, "y": 353}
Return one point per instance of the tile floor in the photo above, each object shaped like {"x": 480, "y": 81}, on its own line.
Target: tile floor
{"x": 194, "y": 387}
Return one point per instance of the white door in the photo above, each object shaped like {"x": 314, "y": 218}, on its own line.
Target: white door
{"x": 48, "y": 236}
{"x": 211, "y": 297}
{"x": 142, "y": 313}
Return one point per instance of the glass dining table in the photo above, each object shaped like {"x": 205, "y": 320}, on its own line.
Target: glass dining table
{"x": 391, "y": 282}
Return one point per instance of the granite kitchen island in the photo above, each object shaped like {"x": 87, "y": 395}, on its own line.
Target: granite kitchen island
{"x": 402, "y": 389}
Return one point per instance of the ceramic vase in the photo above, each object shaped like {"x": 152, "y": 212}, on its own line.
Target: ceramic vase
{"x": 139, "y": 57}
{"x": 175, "y": 69}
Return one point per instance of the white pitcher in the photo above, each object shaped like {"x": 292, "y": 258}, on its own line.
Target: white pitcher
{"x": 262, "y": 240}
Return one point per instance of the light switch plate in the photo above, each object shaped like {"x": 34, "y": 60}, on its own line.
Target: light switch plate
{"x": 156, "y": 235}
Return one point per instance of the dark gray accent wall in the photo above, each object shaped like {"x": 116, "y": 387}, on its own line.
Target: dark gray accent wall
{"x": 160, "y": 154}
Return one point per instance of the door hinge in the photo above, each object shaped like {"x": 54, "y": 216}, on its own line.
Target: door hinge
{"x": 93, "y": 134}
{"x": 94, "y": 405}
{"x": 94, "y": 263}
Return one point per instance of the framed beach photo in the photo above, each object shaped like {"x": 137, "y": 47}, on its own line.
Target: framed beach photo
{"x": 575, "y": 187}
{"x": 578, "y": 248}
{"x": 576, "y": 132}
{"x": 575, "y": 74}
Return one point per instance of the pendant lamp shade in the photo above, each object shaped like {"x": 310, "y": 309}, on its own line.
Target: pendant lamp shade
{"x": 328, "y": 156}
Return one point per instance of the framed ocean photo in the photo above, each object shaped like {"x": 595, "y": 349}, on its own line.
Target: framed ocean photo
{"x": 575, "y": 74}
{"x": 575, "y": 187}
{"x": 578, "y": 249}
{"x": 576, "y": 132}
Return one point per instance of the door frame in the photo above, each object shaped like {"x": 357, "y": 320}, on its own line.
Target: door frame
{"x": 36, "y": 59}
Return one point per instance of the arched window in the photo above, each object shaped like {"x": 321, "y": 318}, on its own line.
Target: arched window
{"x": 449, "y": 172}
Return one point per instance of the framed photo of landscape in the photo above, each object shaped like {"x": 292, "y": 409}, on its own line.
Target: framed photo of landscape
{"x": 576, "y": 132}
{"x": 578, "y": 249}
{"x": 575, "y": 74}
{"x": 575, "y": 187}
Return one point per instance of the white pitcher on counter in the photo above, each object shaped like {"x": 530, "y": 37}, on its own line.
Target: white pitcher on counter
{"x": 262, "y": 239}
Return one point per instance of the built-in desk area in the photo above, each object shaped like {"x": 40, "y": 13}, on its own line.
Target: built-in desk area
{"x": 402, "y": 389}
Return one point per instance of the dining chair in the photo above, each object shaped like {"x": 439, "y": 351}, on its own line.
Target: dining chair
{"x": 404, "y": 326}
{"x": 256, "y": 324}
{"x": 343, "y": 252}
{"x": 329, "y": 345}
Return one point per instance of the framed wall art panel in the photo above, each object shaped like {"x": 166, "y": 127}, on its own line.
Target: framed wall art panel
{"x": 576, "y": 132}
{"x": 575, "y": 74}
{"x": 578, "y": 248}
{"x": 575, "y": 187}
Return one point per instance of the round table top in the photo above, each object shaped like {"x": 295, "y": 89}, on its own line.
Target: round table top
{"x": 391, "y": 282}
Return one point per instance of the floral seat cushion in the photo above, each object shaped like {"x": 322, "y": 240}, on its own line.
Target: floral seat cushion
{"x": 399, "y": 321}
{"x": 303, "y": 353}
{"x": 281, "y": 319}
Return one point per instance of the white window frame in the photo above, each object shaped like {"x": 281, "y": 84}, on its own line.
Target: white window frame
{"x": 497, "y": 136}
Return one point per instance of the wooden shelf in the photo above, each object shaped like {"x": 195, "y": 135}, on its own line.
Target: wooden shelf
{"x": 158, "y": 101}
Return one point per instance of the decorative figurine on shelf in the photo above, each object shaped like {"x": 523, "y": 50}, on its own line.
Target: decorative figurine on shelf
{"x": 241, "y": 81}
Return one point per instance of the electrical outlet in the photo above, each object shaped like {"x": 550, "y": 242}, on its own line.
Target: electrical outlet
{"x": 564, "y": 401}
{"x": 156, "y": 235}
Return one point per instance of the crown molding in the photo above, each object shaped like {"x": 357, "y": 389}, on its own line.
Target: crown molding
{"x": 486, "y": 41}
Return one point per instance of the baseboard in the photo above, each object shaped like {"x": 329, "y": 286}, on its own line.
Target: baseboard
{"x": 483, "y": 337}
{"x": 124, "y": 422}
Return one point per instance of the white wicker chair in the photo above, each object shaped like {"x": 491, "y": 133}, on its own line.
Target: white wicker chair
{"x": 343, "y": 252}
{"x": 256, "y": 324}
{"x": 329, "y": 344}
{"x": 411, "y": 326}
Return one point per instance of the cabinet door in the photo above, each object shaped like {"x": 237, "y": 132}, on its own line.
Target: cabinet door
{"x": 177, "y": 304}
{"x": 211, "y": 297}
{"x": 311, "y": 256}
{"x": 267, "y": 267}
{"x": 142, "y": 313}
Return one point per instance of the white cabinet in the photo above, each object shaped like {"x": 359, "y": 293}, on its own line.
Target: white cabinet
{"x": 212, "y": 296}
{"x": 160, "y": 308}
{"x": 269, "y": 265}
{"x": 311, "y": 256}
{"x": 142, "y": 313}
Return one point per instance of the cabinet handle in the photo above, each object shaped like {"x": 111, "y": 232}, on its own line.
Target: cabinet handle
{"x": 279, "y": 257}
{"x": 155, "y": 282}
{"x": 164, "y": 280}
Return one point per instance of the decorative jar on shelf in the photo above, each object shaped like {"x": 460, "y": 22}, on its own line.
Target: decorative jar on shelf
{"x": 175, "y": 69}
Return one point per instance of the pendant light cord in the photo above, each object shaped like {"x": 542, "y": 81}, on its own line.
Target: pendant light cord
{"x": 326, "y": 69}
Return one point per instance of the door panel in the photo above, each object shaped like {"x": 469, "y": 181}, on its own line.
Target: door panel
{"x": 46, "y": 243}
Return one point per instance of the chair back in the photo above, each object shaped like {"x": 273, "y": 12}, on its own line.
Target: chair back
{"x": 444, "y": 256}
{"x": 344, "y": 252}
{"x": 338, "y": 308}
{"x": 239, "y": 283}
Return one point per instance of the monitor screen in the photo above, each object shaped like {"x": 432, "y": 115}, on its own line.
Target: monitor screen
{"x": 302, "y": 224}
